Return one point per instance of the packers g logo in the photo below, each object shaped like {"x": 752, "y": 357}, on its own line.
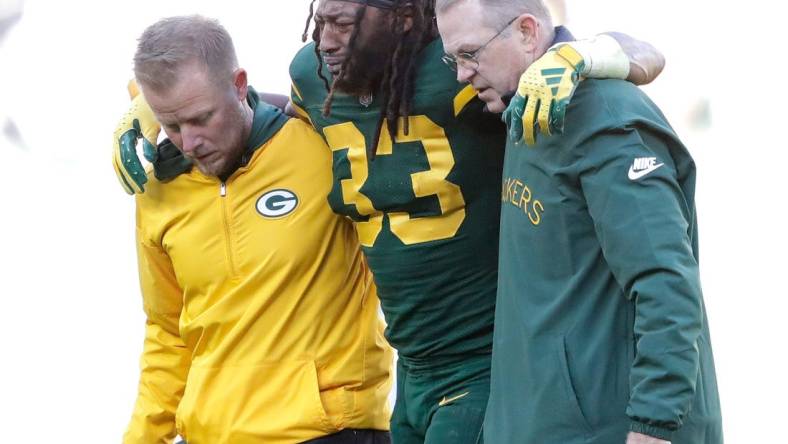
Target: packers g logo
{"x": 277, "y": 203}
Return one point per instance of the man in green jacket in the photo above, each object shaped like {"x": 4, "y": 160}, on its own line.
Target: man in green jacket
{"x": 600, "y": 330}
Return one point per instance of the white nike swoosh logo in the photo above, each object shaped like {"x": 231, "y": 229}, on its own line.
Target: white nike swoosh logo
{"x": 635, "y": 175}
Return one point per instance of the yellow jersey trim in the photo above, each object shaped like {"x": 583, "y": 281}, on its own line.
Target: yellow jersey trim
{"x": 462, "y": 98}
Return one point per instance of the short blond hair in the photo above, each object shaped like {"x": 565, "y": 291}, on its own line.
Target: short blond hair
{"x": 169, "y": 44}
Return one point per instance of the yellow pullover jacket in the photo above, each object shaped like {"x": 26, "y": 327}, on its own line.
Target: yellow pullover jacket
{"x": 262, "y": 317}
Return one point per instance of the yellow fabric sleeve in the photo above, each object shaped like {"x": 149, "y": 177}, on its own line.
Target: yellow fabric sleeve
{"x": 165, "y": 359}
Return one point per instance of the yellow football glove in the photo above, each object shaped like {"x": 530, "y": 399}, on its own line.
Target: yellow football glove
{"x": 138, "y": 122}
{"x": 544, "y": 92}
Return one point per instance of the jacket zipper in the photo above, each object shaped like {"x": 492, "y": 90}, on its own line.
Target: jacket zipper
{"x": 227, "y": 235}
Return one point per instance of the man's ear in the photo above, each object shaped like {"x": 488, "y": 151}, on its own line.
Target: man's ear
{"x": 527, "y": 26}
{"x": 240, "y": 83}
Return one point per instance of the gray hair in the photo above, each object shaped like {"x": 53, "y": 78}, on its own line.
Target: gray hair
{"x": 498, "y": 12}
{"x": 169, "y": 44}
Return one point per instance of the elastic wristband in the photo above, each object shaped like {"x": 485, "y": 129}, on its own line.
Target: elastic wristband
{"x": 650, "y": 430}
{"x": 604, "y": 58}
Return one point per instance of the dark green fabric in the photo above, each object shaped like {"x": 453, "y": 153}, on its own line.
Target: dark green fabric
{"x": 170, "y": 163}
{"x": 268, "y": 120}
{"x": 418, "y": 417}
{"x": 354, "y": 436}
{"x": 438, "y": 297}
{"x": 600, "y": 323}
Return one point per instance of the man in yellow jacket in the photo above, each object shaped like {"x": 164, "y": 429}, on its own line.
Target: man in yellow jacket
{"x": 262, "y": 318}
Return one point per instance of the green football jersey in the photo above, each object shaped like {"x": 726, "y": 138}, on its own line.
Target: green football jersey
{"x": 426, "y": 208}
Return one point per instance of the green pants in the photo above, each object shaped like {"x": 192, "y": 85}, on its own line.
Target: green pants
{"x": 441, "y": 403}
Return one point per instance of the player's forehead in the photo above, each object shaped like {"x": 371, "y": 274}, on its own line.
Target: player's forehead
{"x": 193, "y": 95}
{"x": 184, "y": 110}
{"x": 334, "y": 9}
{"x": 462, "y": 28}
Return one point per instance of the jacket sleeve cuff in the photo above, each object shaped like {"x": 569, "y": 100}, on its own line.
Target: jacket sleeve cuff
{"x": 650, "y": 430}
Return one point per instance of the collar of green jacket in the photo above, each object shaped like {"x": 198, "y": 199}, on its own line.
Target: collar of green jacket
{"x": 266, "y": 122}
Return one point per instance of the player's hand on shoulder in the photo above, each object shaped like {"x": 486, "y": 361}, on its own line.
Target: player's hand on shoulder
{"x": 543, "y": 93}
{"x": 547, "y": 86}
{"x": 138, "y": 122}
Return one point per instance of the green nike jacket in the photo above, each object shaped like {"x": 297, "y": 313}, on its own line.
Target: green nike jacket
{"x": 600, "y": 325}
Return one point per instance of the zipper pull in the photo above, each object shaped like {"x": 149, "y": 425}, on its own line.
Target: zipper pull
{"x": 223, "y": 189}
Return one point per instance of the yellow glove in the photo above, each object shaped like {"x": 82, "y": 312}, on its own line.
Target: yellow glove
{"x": 138, "y": 122}
{"x": 544, "y": 92}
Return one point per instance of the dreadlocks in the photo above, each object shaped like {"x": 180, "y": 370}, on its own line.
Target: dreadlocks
{"x": 396, "y": 86}
{"x": 398, "y": 76}
{"x": 316, "y": 39}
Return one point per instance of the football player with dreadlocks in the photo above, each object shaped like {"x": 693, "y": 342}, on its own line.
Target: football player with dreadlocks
{"x": 417, "y": 166}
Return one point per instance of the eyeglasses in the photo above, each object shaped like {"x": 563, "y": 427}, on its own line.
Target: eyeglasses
{"x": 470, "y": 60}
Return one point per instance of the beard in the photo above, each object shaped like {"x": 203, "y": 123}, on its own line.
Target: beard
{"x": 364, "y": 70}
{"x": 236, "y": 158}
{"x": 230, "y": 152}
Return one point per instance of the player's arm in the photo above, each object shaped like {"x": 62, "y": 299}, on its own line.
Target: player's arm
{"x": 645, "y": 61}
{"x": 139, "y": 122}
{"x": 643, "y": 221}
{"x": 546, "y": 87}
{"x": 165, "y": 359}
{"x": 278, "y": 100}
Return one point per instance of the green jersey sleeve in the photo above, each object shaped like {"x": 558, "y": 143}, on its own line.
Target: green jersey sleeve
{"x": 305, "y": 82}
